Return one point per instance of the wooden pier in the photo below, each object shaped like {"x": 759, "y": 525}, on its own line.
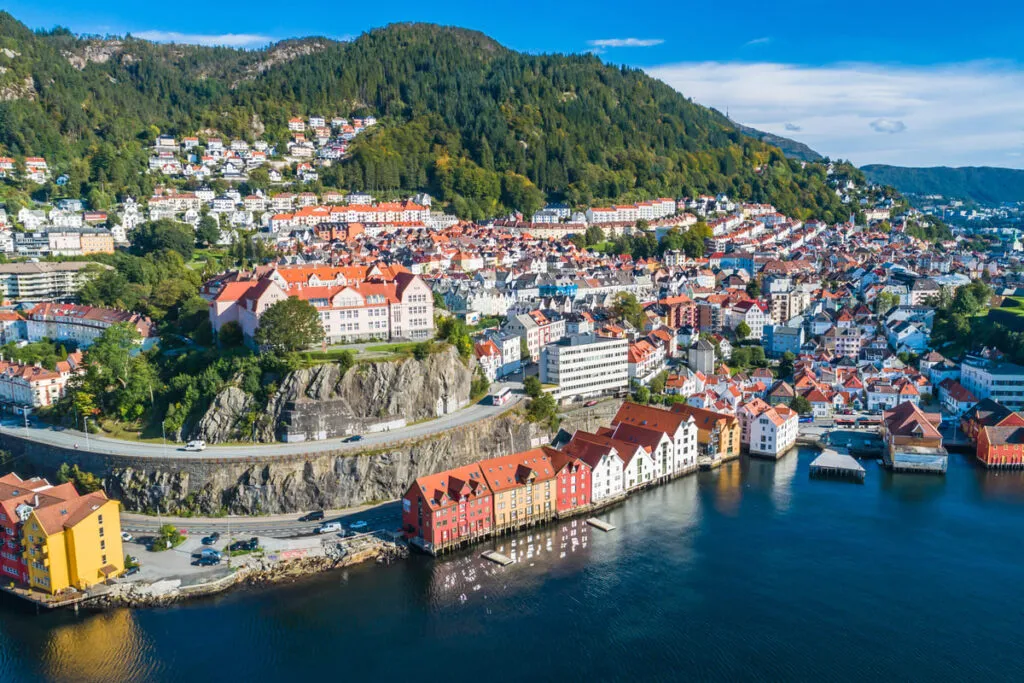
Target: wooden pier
{"x": 496, "y": 557}
{"x": 832, "y": 463}
{"x": 598, "y": 524}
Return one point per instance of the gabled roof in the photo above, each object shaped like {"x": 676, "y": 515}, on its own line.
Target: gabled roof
{"x": 907, "y": 419}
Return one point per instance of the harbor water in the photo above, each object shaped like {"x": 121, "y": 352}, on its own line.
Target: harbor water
{"x": 754, "y": 571}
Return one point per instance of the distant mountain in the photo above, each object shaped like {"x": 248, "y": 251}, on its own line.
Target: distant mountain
{"x": 981, "y": 184}
{"x": 791, "y": 148}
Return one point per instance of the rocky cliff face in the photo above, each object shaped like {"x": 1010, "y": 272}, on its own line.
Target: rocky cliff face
{"x": 321, "y": 402}
{"x": 312, "y": 482}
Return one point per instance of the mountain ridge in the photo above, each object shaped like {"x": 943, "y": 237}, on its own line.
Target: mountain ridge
{"x": 981, "y": 184}
{"x": 480, "y": 126}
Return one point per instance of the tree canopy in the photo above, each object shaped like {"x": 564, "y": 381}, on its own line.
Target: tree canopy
{"x": 289, "y": 325}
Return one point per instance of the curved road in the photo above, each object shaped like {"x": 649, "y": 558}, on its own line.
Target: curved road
{"x": 70, "y": 438}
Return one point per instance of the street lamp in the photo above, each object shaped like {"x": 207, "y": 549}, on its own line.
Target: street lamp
{"x": 85, "y": 424}
{"x": 163, "y": 432}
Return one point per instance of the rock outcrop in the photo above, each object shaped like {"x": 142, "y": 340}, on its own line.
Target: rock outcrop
{"x": 328, "y": 480}
{"x": 322, "y": 403}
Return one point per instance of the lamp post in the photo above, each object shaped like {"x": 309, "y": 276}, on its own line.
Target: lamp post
{"x": 163, "y": 432}
{"x": 85, "y": 425}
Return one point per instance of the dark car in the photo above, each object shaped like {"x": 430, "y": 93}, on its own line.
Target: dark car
{"x": 132, "y": 571}
{"x": 249, "y": 545}
{"x": 208, "y": 561}
{"x": 212, "y": 538}
{"x": 353, "y": 438}
{"x": 312, "y": 516}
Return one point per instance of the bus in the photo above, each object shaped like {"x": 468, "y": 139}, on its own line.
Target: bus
{"x": 501, "y": 397}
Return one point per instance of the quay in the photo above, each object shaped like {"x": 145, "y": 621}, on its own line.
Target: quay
{"x": 496, "y": 557}
{"x": 832, "y": 463}
{"x": 598, "y": 524}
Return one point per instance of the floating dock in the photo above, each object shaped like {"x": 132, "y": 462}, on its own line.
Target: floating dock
{"x": 598, "y": 524}
{"x": 832, "y": 463}
{"x": 496, "y": 557}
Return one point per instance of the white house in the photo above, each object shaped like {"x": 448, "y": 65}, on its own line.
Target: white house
{"x": 605, "y": 465}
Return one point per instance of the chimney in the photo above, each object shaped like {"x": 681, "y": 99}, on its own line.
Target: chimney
{"x": 35, "y": 502}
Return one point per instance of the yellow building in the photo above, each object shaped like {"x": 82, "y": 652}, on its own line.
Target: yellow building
{"x": 73, "y": 543}
{"x": 522, "y": 487}
{"x": 98, "y": 242}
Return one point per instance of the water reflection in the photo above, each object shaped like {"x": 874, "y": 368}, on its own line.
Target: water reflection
{"x": 728, "y": 488}
{"x": 1003, "y": 485}
{"x": 102, "y": 647}
{"x": 536, "y": 555}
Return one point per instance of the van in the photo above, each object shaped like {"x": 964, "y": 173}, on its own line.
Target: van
{"x": 195, "y": 446}
{"x": 329, "y": 528}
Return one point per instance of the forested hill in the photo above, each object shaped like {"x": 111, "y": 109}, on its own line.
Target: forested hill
{"x": 982, "y": 184}
{"x": 483, "y": 127}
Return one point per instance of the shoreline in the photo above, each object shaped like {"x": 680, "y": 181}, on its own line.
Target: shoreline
{"x": 265, "y": 572}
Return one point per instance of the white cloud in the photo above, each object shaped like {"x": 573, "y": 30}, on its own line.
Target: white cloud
{"x": 953, "y": 114}
{"x": 758, "y": 41}
{"x": 224, "y": 39}
{"x": 792, "y": 127}
{"x": 889, "y": 126}
{"x": 625, "y": 42}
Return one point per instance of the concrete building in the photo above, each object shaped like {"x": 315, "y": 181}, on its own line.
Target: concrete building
{"x": 584, "y": 366}
{"x": 999, "y": 380}
{"x": 701, "y": 357}
{"x": 45, "y": 281}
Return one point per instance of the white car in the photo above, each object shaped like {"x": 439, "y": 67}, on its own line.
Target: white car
{"x": 127, "y": 537}
{"x": 329, "y": 527}
{"x": 195, "y": 446}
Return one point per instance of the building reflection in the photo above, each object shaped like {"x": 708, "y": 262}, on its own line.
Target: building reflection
{"x": 728, "y": 488}
{"x": 102, "y": 647}
{"x": 1004, "y": 485}
{"x": 537, "y": 555}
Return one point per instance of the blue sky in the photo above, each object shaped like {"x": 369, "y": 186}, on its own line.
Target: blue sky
{"x": 906, "y": 82}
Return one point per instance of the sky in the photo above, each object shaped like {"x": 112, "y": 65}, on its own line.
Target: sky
{"x": 907, "y": 82}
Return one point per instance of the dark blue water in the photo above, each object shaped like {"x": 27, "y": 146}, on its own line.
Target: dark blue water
{"x": 753, "y": 572}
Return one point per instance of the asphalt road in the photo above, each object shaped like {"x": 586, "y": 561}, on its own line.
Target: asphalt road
{"x": 71, "y": 438}
{"x": 383, "y": 517}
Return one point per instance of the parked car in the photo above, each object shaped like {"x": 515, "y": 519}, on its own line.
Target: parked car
{"x": 207, "y": 561}
{"x": 212, "y": 538}
{"x": 353, "y": 438}
{"x": 249, "y": 545}
{"x": 589, "y": 404}
{"x": 329, "y": 528}
{"x": 312, "y": 516}
{"x": 132, "y": 571}
{"x": 195, "y": 446}
{"x": 127, "y": 537}
{"x": 358, "y": 525}
{"x": 807, "y": 419}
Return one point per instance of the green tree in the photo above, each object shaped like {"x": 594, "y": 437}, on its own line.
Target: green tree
{"x": 642, "y": 395}
{"x": 801, "y": 405}
{"x": 626, "y": 307}
{"x": 289, "y": 325}
{"x": 439, "y": 302}
{"x": 532, "y": 386}
{"x": 208, "y": 230}
{"x": 594, "y": 235}
{"x": 742, "y": 330}
{"x": 421, "y": 351}
{"x": 230, "y": 335}
{"x": 658, "y": 383}
{"x": 164, "y": 234}
{"x": 786, "y": 365}
{"x": 524, "y": 349}
{"x": 753, "y": 288}
{"x": 885, "y": 301}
